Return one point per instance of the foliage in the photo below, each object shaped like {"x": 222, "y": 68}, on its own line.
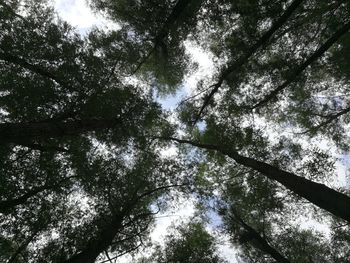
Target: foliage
{"x": 186, "y": 243}
{"x": 82, "y": 135}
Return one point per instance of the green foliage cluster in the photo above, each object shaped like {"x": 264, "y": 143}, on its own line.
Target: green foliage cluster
{"x": 83, "y": 169}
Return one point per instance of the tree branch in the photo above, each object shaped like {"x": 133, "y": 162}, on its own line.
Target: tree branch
{"x": 316, "y": 55}
{"x": 251, "y": 50}
{"x": 34, "y": 68}
{"x": 331, "y": 118}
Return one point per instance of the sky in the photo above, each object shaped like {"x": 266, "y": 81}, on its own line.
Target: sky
{"x": 79, "y": 15}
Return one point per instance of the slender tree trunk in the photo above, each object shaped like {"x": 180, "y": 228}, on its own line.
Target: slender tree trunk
{"x": 18, "y": 132}
{"x": 100, "y": 243}
{"x": 259, "y": 242}
{"x": 320, "y": 195}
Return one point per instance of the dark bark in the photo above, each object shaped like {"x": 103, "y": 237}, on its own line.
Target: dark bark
{"x": 99, "y": 244}
{"x": 320, "y": 195}
{"x": 250, "y": 51}
{"x": 258, "y": 241}
{"x": 316, "y": 55}
{"x": 24, "y": 132}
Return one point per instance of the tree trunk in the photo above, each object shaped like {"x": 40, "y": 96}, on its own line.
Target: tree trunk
{"x": 316, "y": 55}
{"x": 320, "y": 195}
{"x": 18, "y": 132}
{"x": 98, "y": 245}
{"x": 259, "y": 242}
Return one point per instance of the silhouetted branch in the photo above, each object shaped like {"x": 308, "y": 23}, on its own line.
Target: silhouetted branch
{"x": 250, "y": 51}
{"x": 330, "y": 119}
{"x": 316, "y": 55}
{"x": 34, "y": 68}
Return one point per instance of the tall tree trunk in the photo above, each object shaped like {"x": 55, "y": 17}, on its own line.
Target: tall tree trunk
{"x": 320, "y": 195}
{"x": 258, "y": 241}
{"x": 22, "y": 132}
{"x": 99, "y": 244}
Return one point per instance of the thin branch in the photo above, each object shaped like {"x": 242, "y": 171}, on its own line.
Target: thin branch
{"x": 250, "y": 51}
{"x": 107, "y": 255}
{"x": 325, "y": 123}
{"x": 32, "y": 67}
{"x": 316, "y": 55}
{"x": 123, "y": 253}
{"x": 158, "y": 189}
{"x": 193, "y": 96}
{"x": 340, "y": 226}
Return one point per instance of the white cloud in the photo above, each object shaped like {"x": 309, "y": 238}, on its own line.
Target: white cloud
{"x": 78, "y": 14}
{"x": 205, "y": 65}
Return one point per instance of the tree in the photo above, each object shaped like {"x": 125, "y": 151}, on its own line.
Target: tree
{"x": 82, "y": 133}
{"x": 50, "y": 161}
{"x": 187, "y": 243}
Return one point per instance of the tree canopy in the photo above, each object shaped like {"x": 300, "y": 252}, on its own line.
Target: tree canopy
{"x": 261, "y": 141}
